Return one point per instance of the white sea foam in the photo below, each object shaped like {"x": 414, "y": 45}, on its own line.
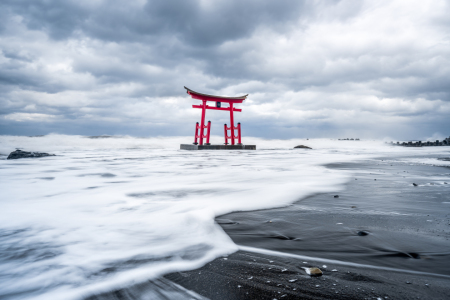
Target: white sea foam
{"x": 109, "y": 212}
{"x": 428, "y": 161}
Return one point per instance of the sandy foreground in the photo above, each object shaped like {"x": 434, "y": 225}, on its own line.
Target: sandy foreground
{"x": 383, "y": 238}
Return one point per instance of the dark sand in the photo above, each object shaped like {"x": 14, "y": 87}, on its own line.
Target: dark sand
{"x": 405, "y": 254}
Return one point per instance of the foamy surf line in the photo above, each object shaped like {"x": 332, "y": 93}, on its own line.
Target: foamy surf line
{"x": 114, "y": 211}
{"x": 335, "y": 262}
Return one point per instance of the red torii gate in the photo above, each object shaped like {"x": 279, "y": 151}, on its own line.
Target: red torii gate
{"x": 218, "y": 99}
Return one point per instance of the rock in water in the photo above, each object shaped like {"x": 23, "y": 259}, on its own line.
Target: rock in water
{"x": 313, "y": 271}
{"x": 415, "y": 184}
{"x": 24, "y": 154}
{"x": 302, "y": 147}
{"x": 336, "y": 196}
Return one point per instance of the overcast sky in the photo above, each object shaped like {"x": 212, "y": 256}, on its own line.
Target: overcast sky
{"x": 367, "y": 69}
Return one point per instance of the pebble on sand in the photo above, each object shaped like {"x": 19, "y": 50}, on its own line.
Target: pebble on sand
{"x": 313, "y": 271}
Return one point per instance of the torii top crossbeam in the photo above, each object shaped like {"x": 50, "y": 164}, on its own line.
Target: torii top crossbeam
{"x": 218, "y": 99}
{"x": 200, "y": 96}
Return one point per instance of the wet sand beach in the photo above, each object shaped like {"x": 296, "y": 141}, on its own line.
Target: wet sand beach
{"x": 381, "y": 238}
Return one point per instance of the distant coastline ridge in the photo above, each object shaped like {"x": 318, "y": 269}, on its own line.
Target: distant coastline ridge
{"x": 444, "y": 142}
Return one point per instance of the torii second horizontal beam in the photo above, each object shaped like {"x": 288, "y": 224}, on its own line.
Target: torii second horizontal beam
{"x": 216, "y": 108}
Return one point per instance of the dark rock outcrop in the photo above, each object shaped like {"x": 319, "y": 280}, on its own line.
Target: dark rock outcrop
{"x": 24, "y": 154}
{"x": 302, "y": 147}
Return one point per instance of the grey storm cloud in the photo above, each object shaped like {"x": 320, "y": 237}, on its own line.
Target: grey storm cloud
{"x": 312, "y": 68}
{"x": 196, "y": 23}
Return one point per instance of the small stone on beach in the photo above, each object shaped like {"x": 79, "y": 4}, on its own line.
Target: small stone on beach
{"x": 313, "y": 271}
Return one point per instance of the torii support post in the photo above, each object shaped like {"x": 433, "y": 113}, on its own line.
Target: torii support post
{"x": 225, "y": 134}
{"x": 208, "y": 132}
{"x": 202, "y": 126}
{"x": 232, "y": 129}
{"x": 199, "y": 136}
{"x": 231, "y": 124}
{"x": 239, "y": 134}
{"x": 196, "y": 133}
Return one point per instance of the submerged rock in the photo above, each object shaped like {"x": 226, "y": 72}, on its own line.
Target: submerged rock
{"x": 313, "y": 271}
{"x": 336, "y": 196}
{"x": 363, "y": 233}
{"x": 24, "y": 154}
{"x": 302, "y": 147}
{"x": 415, "y": 184}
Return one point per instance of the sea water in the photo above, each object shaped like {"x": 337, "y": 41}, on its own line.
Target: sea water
{"x": 109, "y": 212}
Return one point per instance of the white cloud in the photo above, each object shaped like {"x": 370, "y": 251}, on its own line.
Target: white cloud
{"x": 31, "y": 117}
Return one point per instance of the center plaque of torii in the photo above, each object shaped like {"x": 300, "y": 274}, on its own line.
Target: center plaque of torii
{"x": 232, "y": 141}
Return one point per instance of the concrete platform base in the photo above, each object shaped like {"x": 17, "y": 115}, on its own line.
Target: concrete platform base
{"x": 217, "y": 147}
